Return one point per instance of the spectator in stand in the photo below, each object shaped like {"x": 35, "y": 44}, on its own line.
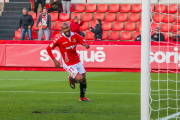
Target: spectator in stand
{"x": 97, "y": 30}
{"x": 45, "y": 24}
{"x": 66, "y": 6}
{"x": 55, "y": 6}
{"x": 26, "y": 21}
{"x": 36, "y": 3}
{"x": 171, "y": 36}
{"x": 157, "y": 36}
{"x": 177, "y": 37}
{"x": 75, "y": 26}
{"x": 138, "y": 38}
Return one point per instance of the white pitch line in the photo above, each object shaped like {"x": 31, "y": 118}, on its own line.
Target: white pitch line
{"x": 67, "y": 80}
{"x": 170, "y": 116}
{"x": 68, "y": 92}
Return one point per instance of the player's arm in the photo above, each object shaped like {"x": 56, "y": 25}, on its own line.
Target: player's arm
{"x": 49, "y": 50}
{"x": 82, "y": 41}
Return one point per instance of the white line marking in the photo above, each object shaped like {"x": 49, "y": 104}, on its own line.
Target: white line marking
{"x": 170, "y": 116}
{"x": 67, "y": 80}
{"x": 67, "y": 92}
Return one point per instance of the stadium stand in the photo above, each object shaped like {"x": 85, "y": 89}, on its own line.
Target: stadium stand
{"x": 125, "y": 18}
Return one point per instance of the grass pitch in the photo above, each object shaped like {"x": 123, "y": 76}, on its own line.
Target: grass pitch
{"x": 48, "y": 96}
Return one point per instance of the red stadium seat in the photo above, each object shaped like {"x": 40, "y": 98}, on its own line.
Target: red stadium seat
{"x": 110, "y": 17}
{"x": 135, "y": 34}
{"x": 17, "y": 35}
{"x": 58, "y": 25}
{"x": 130, "y": 26}
{"x": 126, "y": 36}
{"x": 99, "y": 16}
{"x": 54, "y": 34}
{"x": 153, "y": 25}
{"x": 121, "y": 17}
{"x": 106, "y": 26}
{"x": 64, "y": 17}
{"x": 169, "y": 18}
{"x": 166, "y": 36}
{"x": 79, "y": 8}
{"x": 72, "y": 8}
{"x": 89, "y": 35}
{"x": 172, "y": 8}
{"x": 48, "y": 6}
{"x": 87, "y": 16}
{"x": 34, "y": 15}
{"x": 114, "y": 8}
{"x": 136, "y": 8}
{"x": 105, "y": 35}
{"x": 125, "y": 8}
{"x": 114, "y": 35}
{"x": 102, "y": 8}
{"x": 158, "y": 18}
{"x": 91, "y": 8}
{"x": 93, "y": 24}
{"x": 75, "y": 14}
{"x": 152, "y": 8}
{"x": 52, "y": 26}
{"x": 178, "y": 18}
{"x": 85, "y": 26}
{"x": 176, "y": 26}
{"x": 34, "y": 26}
{"x": 160, "y": 8}
{"x": 118, "y": 26}
{"x": 54, "y": 16}
{"x": 138, "y": 26}
{"x": 166, "y": 27}
{"x": 133, "y": 17}
{"x": 43, "y": 37}
{"x": 34, "y": 35}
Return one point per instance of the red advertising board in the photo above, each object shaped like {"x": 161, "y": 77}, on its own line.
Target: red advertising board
{"x": 98, "y": 56}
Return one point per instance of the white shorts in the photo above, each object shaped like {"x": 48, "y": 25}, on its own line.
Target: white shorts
{"x": 74, "y": 70}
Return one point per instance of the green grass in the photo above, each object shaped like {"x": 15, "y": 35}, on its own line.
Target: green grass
{"x": 48, "y": 96}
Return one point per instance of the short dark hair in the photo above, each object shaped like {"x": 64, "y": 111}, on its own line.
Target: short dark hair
{"x": 76, "y": 17}
{"x": 99, "y": 20}
{"x": 44, "y": 8}
{"x": 178, "y": 29}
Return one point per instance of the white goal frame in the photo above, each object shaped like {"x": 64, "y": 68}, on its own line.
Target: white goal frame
{"x": 145, "y": 63}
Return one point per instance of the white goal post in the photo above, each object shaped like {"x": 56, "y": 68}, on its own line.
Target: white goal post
{"x": 145, "y": 65}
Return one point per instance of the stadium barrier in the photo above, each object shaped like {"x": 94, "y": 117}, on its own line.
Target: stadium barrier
{"x": 102, "y": 56}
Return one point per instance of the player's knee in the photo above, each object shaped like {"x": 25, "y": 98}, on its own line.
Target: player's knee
{"x": 79, "y": 78}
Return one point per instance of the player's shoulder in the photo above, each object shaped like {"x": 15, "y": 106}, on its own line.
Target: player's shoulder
{"x": 75, "y": 34}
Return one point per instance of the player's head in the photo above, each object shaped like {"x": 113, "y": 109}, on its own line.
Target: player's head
{"x": 178, "y": 31}
{"x": 66, "y": 29}
{"x": 98, "y": 21}
{"x": 156, "y": 30}
{"x": 24, "y": 11}
{"x": 44, "y": 10}
{"x": 76, "y": 19}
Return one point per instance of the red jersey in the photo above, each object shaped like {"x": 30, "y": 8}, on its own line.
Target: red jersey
{"x": 67, "y": 47}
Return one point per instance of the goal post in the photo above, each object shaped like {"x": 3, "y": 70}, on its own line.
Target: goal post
{"x": 145, "y": 65}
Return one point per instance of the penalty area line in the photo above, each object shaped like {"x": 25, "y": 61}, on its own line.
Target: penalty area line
{"x": 170, "y": 116}
{"x": 69, "y": 92}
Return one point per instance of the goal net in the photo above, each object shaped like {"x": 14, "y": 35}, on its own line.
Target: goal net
{"x": 164, "y": 98}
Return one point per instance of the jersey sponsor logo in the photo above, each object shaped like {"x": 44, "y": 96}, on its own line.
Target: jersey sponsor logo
{"x": 71, "y": 47}
{"x": 64, "y": 42}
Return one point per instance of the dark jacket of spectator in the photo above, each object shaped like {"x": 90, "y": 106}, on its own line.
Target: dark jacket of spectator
{"x": 138, "y": 38}
{"x": 97, "y": 31}
{"x": 157, "y": 39}
{"x": 66, "y": 0}
{"x": 25, "y": 21}
{"x": 48, "y": 20}
{"x": 75, "y": 27}
{"x": 177, "y": 38}
{"x": 56, "y": 4}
